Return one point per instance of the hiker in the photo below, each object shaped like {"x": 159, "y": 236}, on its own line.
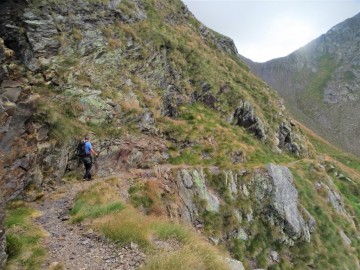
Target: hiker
{"x": 85, "y": 150}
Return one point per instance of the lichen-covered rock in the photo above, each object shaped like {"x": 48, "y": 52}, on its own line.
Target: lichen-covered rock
{"x": 191, "y": 185}
{"x": 42, "y": 34}
{"x": 278, "y": 201}
{"x": 245, "y": 117}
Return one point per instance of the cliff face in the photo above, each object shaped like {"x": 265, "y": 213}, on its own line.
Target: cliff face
{"x": 74, "y": 67}
{"x": 320, "y": 83}
{"x": 152, "y": 84}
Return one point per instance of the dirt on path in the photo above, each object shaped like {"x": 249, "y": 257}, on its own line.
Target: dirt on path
{"x": 72, "y": 246}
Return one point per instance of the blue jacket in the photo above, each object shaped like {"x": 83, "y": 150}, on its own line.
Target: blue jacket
{"x": 88, "y": 148}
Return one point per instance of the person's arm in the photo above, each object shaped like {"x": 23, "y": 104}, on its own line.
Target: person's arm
{"x": 93, "y": 151}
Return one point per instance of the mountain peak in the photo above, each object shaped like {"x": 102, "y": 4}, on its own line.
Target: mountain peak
{"x": 320, "y": 83}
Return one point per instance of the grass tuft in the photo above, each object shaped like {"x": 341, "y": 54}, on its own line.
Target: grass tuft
{"x": 194, "y": 255}
{"x": 99, "y": 201}
{"x": 23, "y": 238}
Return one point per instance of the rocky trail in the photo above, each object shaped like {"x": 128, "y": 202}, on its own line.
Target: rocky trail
{"x": 72, "y": 246}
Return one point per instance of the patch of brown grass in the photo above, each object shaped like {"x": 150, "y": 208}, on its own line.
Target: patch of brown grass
{"x": 195, "y": 254}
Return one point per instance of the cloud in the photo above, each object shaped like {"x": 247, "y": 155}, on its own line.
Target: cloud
{"x": 267, "y": 29}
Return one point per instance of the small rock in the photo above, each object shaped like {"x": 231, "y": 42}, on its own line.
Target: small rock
{"x": 274, "y": 256}
{"x": 214, "y": 240}
{"x": 85, "y": 242}
{"x": 54, "y": 265}
{"x": 234, "y": 264}
{"x": 133, "y": 245}
{"x": 242, "y": 235}
{"x": 64, "y": 218}
{"x": 345, "y": 238}
{"x": 245, "y": 191}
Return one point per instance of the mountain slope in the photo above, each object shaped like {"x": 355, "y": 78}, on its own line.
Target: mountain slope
{"x": 208, "y": 143}
{"x": 320, "y": 83}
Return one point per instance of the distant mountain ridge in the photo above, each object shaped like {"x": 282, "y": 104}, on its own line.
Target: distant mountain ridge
{"x": 320, "y": 83}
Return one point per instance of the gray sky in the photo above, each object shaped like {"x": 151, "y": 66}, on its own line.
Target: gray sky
{"x": 267, "y": 29}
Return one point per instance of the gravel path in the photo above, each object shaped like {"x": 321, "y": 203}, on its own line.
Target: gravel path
{"x": 72, "y": 246}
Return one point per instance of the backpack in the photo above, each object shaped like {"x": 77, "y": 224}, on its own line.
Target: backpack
{"x": 80, "y": 150}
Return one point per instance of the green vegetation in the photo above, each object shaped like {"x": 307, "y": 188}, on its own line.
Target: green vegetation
{"x": 131, "y": 68}
{"x": 130, "y": 225}
{"x": 23, "y": 238}
{"x": 349, "y": 76}
{"x": 194, "y": 255}
{"x": 314, "y": 91}
{"x": 213, "y": 141}
{"x": 182, "y": 51}
{"x": 323, "y": 250}
{"x": 96, "y": 203}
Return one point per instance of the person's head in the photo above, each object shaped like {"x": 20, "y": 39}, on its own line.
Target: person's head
{"x": 87, "y": 138}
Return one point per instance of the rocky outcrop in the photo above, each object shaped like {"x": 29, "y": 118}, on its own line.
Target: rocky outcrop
{"x": 335, "y": 199}
{"x": 173, "y": 98}
{"x": 11, "y": 30}
{"x": 16, "y": 146}
{"x": 271, "y": 193}
{"x": 223, "y": 43}
{"x": 285, "y": 138}
{"x": 245, "y": 117}
{"x": 191, "y": 187}
{"x": 3, "y": 255}
{"x": 278, "y": 201}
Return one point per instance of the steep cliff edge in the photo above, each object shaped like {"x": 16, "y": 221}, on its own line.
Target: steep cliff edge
{"x": 146, "y": 77}
{"x": 320, "y": 83}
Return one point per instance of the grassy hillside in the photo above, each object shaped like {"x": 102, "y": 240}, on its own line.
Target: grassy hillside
{"x": 148, "y": 69}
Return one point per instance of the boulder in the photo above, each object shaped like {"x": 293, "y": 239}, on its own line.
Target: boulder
{"x": 10, "y": 90}
{"x": 286, "y": 139}
{"x": 278, "y": 202}
{"x": 245, "y": 117}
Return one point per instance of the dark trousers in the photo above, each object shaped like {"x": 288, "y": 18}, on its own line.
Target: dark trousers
{"x": 87, "y": 164}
